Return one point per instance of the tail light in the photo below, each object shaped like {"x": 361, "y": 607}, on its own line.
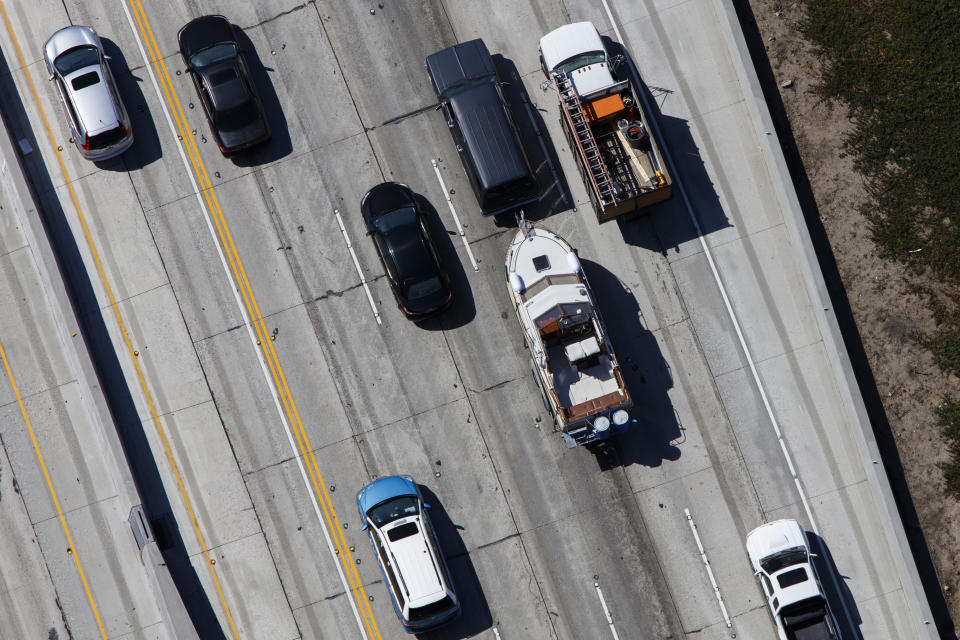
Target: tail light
{"x": 85, "y": 145}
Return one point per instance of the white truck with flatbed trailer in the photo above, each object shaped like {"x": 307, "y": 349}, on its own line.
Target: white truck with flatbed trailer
{"x": 607, "y": 128}
{"x": 781, "y": 558}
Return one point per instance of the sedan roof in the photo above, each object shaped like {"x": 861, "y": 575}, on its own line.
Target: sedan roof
{"x": 203, "y": 32}
{"x": 227, "y": 89}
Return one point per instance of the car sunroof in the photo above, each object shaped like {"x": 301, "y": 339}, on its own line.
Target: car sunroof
{"x": 84, "y": 81}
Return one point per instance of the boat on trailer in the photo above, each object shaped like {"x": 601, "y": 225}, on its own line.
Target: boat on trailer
{"x": 571, "y": 356}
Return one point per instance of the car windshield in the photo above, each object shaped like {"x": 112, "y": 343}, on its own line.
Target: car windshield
{"x": 76, "y": 59}
{"x": 773, "y": 563}
{"x": 396, "y": 219}
{"x": 582, "y": 60}
{"x": 393, "y": 509}
{"x": 216, "y": 53}
{"x": 237, "y": 117}
{"x": 416, "y": 288}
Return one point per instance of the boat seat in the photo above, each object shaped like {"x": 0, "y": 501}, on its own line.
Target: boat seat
{"x": 582, "y": 349}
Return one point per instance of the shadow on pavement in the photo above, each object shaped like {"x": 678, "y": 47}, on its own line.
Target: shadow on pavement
{"x": 146, "y": 142}
{"x": 463, "y": 309}
{"x": 835, "y": 588}
{"x": 555, "y": 195}
{"x": 130, "y": 430}
{"x": 672, "y": 225}
{"x": 475, "y": 613}
{"x": 279, "y": 144}
{"x": 656, "y": 433}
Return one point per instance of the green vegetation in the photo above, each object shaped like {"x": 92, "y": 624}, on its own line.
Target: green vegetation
{"x": 896, "y": 64}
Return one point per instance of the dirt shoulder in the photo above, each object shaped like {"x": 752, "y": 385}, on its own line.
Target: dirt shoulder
{"x": 883, "y": 298}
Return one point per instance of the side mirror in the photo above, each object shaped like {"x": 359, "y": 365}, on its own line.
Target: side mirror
{"x": 106, "y": 57}
{"x": 757, "y": 573}
{"x": 52, "y": 76}
{"x": 365, "y": 526}
{"x": 505, "y": 84}
{"x": 814, "y": 555}
{"x": 438, "y": 107}
{"x": 427, "y": 506}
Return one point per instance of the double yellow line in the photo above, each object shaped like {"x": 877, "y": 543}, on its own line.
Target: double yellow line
{"x": 253, "y": 310}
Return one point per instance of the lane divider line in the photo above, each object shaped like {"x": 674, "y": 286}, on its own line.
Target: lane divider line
{"x": 606, "y": 611}
{"x": 71, "y": 549}
{"x": 723, "y": 294}
{"x": 706, "y": 564}
{"x": 256, "y": 327}
{"x": 446, "y": 194}
{"x": 118, "y": 316}
{"x": 356, "y": 264}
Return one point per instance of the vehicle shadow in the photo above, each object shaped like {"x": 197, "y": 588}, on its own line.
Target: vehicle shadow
{"x": 146, "y": 143}
{"x": 475, "y": 614}
{"x": 655, "y": 434}
{"x": 93, "y": 329}
{"x": 555, "y": 194}
{"x": 835, "y": 588}
{"x": 672, "y": 225}
{"x": 463, "y": 309}
{"x": 279, "y": 144}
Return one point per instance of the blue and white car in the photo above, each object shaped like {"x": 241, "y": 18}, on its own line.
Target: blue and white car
{"x": 414, "y": 570}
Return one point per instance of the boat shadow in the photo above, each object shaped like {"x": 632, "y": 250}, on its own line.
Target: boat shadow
{"x": 655, "y": 434}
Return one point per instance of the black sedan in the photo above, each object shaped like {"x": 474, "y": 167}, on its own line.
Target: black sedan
{"x": 222, "y": 79}
{"x": 409, "y": 255}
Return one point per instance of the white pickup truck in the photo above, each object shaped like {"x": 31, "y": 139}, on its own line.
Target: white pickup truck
{"x": 780, "y": 555}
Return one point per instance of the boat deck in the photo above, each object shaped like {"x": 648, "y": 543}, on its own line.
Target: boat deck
{"x": 575, "y": 386}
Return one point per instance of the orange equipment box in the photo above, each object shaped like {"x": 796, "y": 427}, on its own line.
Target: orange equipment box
{"x": 604, "y": 107}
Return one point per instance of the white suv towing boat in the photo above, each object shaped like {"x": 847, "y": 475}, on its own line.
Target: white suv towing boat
{"x": 571, "y": 356}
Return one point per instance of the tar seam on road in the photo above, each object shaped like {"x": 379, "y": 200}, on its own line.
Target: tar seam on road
{"x": 249, "y": 308}
{"x": 120, "y": 323}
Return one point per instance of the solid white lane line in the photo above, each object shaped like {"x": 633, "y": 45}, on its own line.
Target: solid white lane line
{"x": 706, "y": 564}
{"x": 606, "y": 612}
{"x": 248, "y": 324}
{"x": 356, "y": 263}
{"x": 723, "y": 291}
{"x": 446, "y": 194}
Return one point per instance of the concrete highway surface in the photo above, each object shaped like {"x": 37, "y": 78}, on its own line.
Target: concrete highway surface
{"x": 220, "y": 345}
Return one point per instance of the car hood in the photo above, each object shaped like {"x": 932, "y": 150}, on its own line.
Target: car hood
{"x": 384, "y": 489}
{"x": 204, "y": 32}
{"x": 568, "y": 41}
{"x": 773, "y": 537}
{"x": 68, "y": 38}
